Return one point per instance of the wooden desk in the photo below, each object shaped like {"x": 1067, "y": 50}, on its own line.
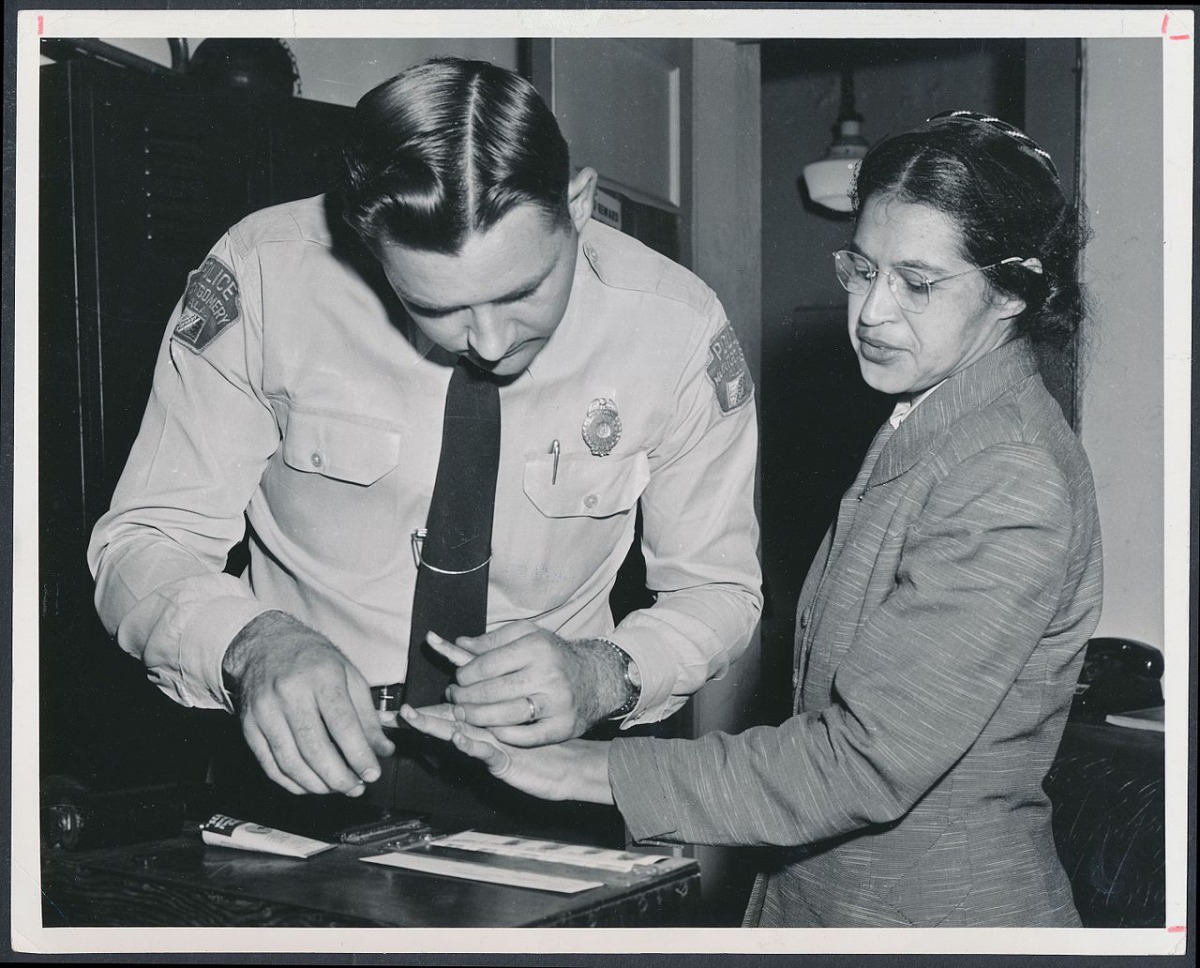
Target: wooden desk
{"x": 1107, "y": 788}
{"x": 183, "y": 882}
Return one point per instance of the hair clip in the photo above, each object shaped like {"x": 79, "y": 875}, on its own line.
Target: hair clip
{"x": 1003, "y": 126}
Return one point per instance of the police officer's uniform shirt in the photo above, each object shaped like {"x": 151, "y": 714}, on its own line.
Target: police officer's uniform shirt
{"x": 287, "y": 394}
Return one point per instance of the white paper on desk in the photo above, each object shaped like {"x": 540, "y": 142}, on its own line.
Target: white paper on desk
{"x": 552, "y": 851}
{"x": 466, "y": 870}
{"x": 1151, "y": 719}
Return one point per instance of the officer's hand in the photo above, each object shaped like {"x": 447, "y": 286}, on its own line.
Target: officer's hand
{"x": 530, "y": 686}
{"x": 576, "y": 770}
{"x": 306, "y": 711}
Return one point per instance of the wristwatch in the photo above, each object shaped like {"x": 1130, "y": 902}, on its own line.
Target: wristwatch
{"x": 633, "y": 689}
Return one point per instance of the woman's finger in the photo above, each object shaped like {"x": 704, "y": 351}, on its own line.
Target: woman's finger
{"x": 474, "y": 742}
{"x": 495, "y": 758}
{"x": 431, "y": 725}
{"x": 442, "y": 710}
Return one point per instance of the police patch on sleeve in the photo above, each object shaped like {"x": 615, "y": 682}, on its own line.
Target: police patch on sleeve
{"x": 211, "y": 304}
{"x": 728, "y": 371}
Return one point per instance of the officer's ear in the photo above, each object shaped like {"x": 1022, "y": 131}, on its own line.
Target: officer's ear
{"x": 581, "y": 196}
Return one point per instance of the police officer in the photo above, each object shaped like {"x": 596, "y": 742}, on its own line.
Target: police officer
{"x": 298, "y": 398}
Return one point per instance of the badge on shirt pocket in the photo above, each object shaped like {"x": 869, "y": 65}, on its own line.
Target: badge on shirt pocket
{"x": 601, "y": 427}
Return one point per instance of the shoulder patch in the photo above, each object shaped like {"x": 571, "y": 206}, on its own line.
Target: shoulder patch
{"x": 211, "y": 304}
{"x": 728, "y": 371}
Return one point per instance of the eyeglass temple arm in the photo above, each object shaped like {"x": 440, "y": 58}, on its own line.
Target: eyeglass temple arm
{"x": 1033, "y": 265}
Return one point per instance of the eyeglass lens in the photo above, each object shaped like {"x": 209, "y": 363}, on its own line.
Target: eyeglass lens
{"x": 856, "y": 274}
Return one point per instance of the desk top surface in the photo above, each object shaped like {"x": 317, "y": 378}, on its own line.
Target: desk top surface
{"x": 336, "y": 887}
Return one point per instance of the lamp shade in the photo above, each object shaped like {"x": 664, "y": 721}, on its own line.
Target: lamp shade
{"x": 830, "y": 180}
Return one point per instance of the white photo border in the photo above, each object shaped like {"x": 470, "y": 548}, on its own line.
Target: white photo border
{"x": 1175, "y": 27}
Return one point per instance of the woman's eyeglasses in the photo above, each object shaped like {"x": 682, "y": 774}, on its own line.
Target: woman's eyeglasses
{"x": 911, "y": 289}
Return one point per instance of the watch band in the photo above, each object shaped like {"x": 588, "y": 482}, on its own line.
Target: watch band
{"x": 634, "y": 690}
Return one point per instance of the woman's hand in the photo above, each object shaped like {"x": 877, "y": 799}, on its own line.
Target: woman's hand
{"x": 575, "y": 770}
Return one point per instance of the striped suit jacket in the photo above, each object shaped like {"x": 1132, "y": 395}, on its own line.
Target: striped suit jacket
{"x": 940, "y": 633}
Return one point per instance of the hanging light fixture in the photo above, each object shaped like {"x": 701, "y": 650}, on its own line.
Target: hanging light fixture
{"x": 829, "y": 180}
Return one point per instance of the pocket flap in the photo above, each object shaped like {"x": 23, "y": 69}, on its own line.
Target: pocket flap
{"x": 594, "y": 487}
{"x": 339, "y": 447}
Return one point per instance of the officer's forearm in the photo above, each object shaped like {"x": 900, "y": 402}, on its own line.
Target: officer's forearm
{"x": 612, "y": 683}
{"x": 275, "y": 634}
{"x": 246, "y": 642}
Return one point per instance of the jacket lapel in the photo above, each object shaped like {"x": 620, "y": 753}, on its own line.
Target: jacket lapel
{"x": 966, "y": 391}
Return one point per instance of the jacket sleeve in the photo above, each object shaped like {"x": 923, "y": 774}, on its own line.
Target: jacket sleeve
{"x": 158, "y": 554}
{"x": 979, "y": 581}
{"x": 700, "y": 531}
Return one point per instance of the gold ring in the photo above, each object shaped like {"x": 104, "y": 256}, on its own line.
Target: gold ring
{"x": 533, "y": 711}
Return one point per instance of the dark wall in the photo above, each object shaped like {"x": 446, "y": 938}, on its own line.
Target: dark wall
{"x": 817, "y": 415}
{"x": 140, "y": 175}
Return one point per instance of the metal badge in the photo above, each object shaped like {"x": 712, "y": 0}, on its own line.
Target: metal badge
{"x": 601, "y": 426}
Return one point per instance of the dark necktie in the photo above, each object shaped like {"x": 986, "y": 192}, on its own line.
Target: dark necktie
{"x": 452, "y": 577}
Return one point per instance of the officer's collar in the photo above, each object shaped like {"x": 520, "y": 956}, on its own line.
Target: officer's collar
{"x": 585, "y": 275}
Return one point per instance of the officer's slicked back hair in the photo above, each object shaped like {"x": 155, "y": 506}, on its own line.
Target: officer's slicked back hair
{"x": 448, "y": 148}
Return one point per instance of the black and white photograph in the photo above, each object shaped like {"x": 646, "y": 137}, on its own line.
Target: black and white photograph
{"x": 717, "y": 472}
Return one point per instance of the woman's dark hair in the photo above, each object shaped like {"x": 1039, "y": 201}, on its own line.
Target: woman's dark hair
{"x": 1002, "y": 192}
{"x": 448, "y": 148}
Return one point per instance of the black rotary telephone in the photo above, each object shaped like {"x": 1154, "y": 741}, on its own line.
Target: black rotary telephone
{"x": 1118, "y": 675}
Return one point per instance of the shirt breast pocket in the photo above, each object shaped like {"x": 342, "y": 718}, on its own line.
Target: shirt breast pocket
{"x": 590, "y": 487}
{"x": 332, "y": 490}
{"x": 581, "y": 527}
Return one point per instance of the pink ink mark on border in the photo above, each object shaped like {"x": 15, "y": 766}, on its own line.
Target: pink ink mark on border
{"x": 41, "y": 25}
{"x": 1176, "y": 928}
{"x": 1166, "y": 19}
